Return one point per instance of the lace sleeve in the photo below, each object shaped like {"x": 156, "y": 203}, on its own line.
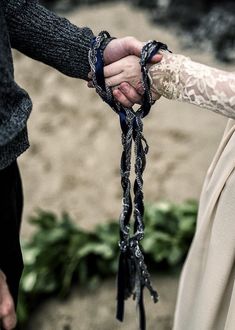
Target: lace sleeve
{"x": 178, "y": 77}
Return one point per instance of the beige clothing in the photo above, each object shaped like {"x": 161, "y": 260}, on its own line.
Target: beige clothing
{"x": 206, "y": 297}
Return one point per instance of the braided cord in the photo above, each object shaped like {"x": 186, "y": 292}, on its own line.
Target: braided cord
{"x": 133, "y": 275}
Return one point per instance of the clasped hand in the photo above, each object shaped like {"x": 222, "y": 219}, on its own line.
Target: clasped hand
{"x": 122, "y": 70}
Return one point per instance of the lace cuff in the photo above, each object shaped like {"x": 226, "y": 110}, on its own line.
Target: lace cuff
{"x": 178, "y": 77}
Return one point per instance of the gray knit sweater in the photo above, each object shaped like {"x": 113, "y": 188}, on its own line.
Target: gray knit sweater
{"x": 40, "y": 34}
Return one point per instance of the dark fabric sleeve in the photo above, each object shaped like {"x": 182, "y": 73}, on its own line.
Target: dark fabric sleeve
{"x": 46, "y": 37}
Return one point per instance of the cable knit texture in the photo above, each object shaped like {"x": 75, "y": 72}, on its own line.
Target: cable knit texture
{"x": 178, "y": 77}
{"x": 44, "y": 36}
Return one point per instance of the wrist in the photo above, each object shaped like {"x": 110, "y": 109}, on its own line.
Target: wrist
{"x": 106, "y": 50}
{"x": 165, "y": 76}
{"x": 103, "y": 46}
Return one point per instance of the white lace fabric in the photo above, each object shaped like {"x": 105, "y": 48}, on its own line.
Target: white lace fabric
{"x": 178, "y": 77}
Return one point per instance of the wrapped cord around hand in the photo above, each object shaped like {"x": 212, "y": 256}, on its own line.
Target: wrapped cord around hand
{"x": 133, "y": 275}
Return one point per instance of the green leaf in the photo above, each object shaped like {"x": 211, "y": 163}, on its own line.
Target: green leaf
{"x": 28, "y": 281}
{"x": 30, "y": 254}
{"x": 100, "y": 249}
{"x": 175, "y": 256}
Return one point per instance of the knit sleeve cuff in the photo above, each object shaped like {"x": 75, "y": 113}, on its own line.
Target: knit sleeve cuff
{"x": 49, "y": 38}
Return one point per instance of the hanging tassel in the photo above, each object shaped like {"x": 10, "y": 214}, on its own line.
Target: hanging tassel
{"x": 121, "y": 287}
{"x": 142, "y": 318}
{"x": 132, "y": 278}
{"x": 142, "y": 280}
{"x": 125, "y": 282}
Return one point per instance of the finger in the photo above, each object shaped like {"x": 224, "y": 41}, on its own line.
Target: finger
{"x": 133, "y": 46}
{"x": 9, "y": 321}
{"x": 7, "y": 308}
{"x": 155, "y": 96}
{"x": 138, "y": 88}
{"x": 89, "y": 75}
{"x": 90, "y": 84}
{"x": 113, "y": 69}
{"x": 115, "y": 80}
{"x": 120, "y": 97}
{"x": 156, "y": 58}
{"x": 8, "y": 314}
{"x": 130, "y": 92}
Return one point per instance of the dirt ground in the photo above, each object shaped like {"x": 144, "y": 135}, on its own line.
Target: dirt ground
{"x": 73, "y": 162}
{"x": 96, "y": 310}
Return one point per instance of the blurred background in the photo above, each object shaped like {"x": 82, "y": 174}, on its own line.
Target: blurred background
{"x": 73, "y": 166}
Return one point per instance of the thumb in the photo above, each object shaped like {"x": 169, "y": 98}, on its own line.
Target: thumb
{"x": 134, "y": 47}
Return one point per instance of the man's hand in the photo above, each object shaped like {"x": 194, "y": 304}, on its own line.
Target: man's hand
{"x": 122, "y": 47}
{"x": 7, "y": 308}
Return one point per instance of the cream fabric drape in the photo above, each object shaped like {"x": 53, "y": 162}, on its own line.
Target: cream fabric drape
{"x": 206, "y": 296}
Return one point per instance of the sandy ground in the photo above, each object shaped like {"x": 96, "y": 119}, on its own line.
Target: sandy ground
{"x": 82, "y": 312}
{"x": 73, "y": 162}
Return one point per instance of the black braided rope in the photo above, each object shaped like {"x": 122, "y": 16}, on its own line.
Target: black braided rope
{"x": 133, "y": 275}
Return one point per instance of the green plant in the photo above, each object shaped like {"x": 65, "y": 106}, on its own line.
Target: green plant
{"x": 169, "y": 232}
{"x": 60, "y": 253}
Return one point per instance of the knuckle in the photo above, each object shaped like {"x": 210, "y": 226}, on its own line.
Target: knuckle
{"x": 135, "y": 97}
{"x": 7, "y": 309}
{"x": 108, "y": 82}
{"x": 140, "y": 90}
{"x": 125, "y": 88}
{"x": 138, "y": 98}
{"x": 119, "y": 98}
{"x": 10, "y": 325}
{"x": 130, "y": 38}
{"x": 130, "y": 41}
{"x": 107, "y": 71}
